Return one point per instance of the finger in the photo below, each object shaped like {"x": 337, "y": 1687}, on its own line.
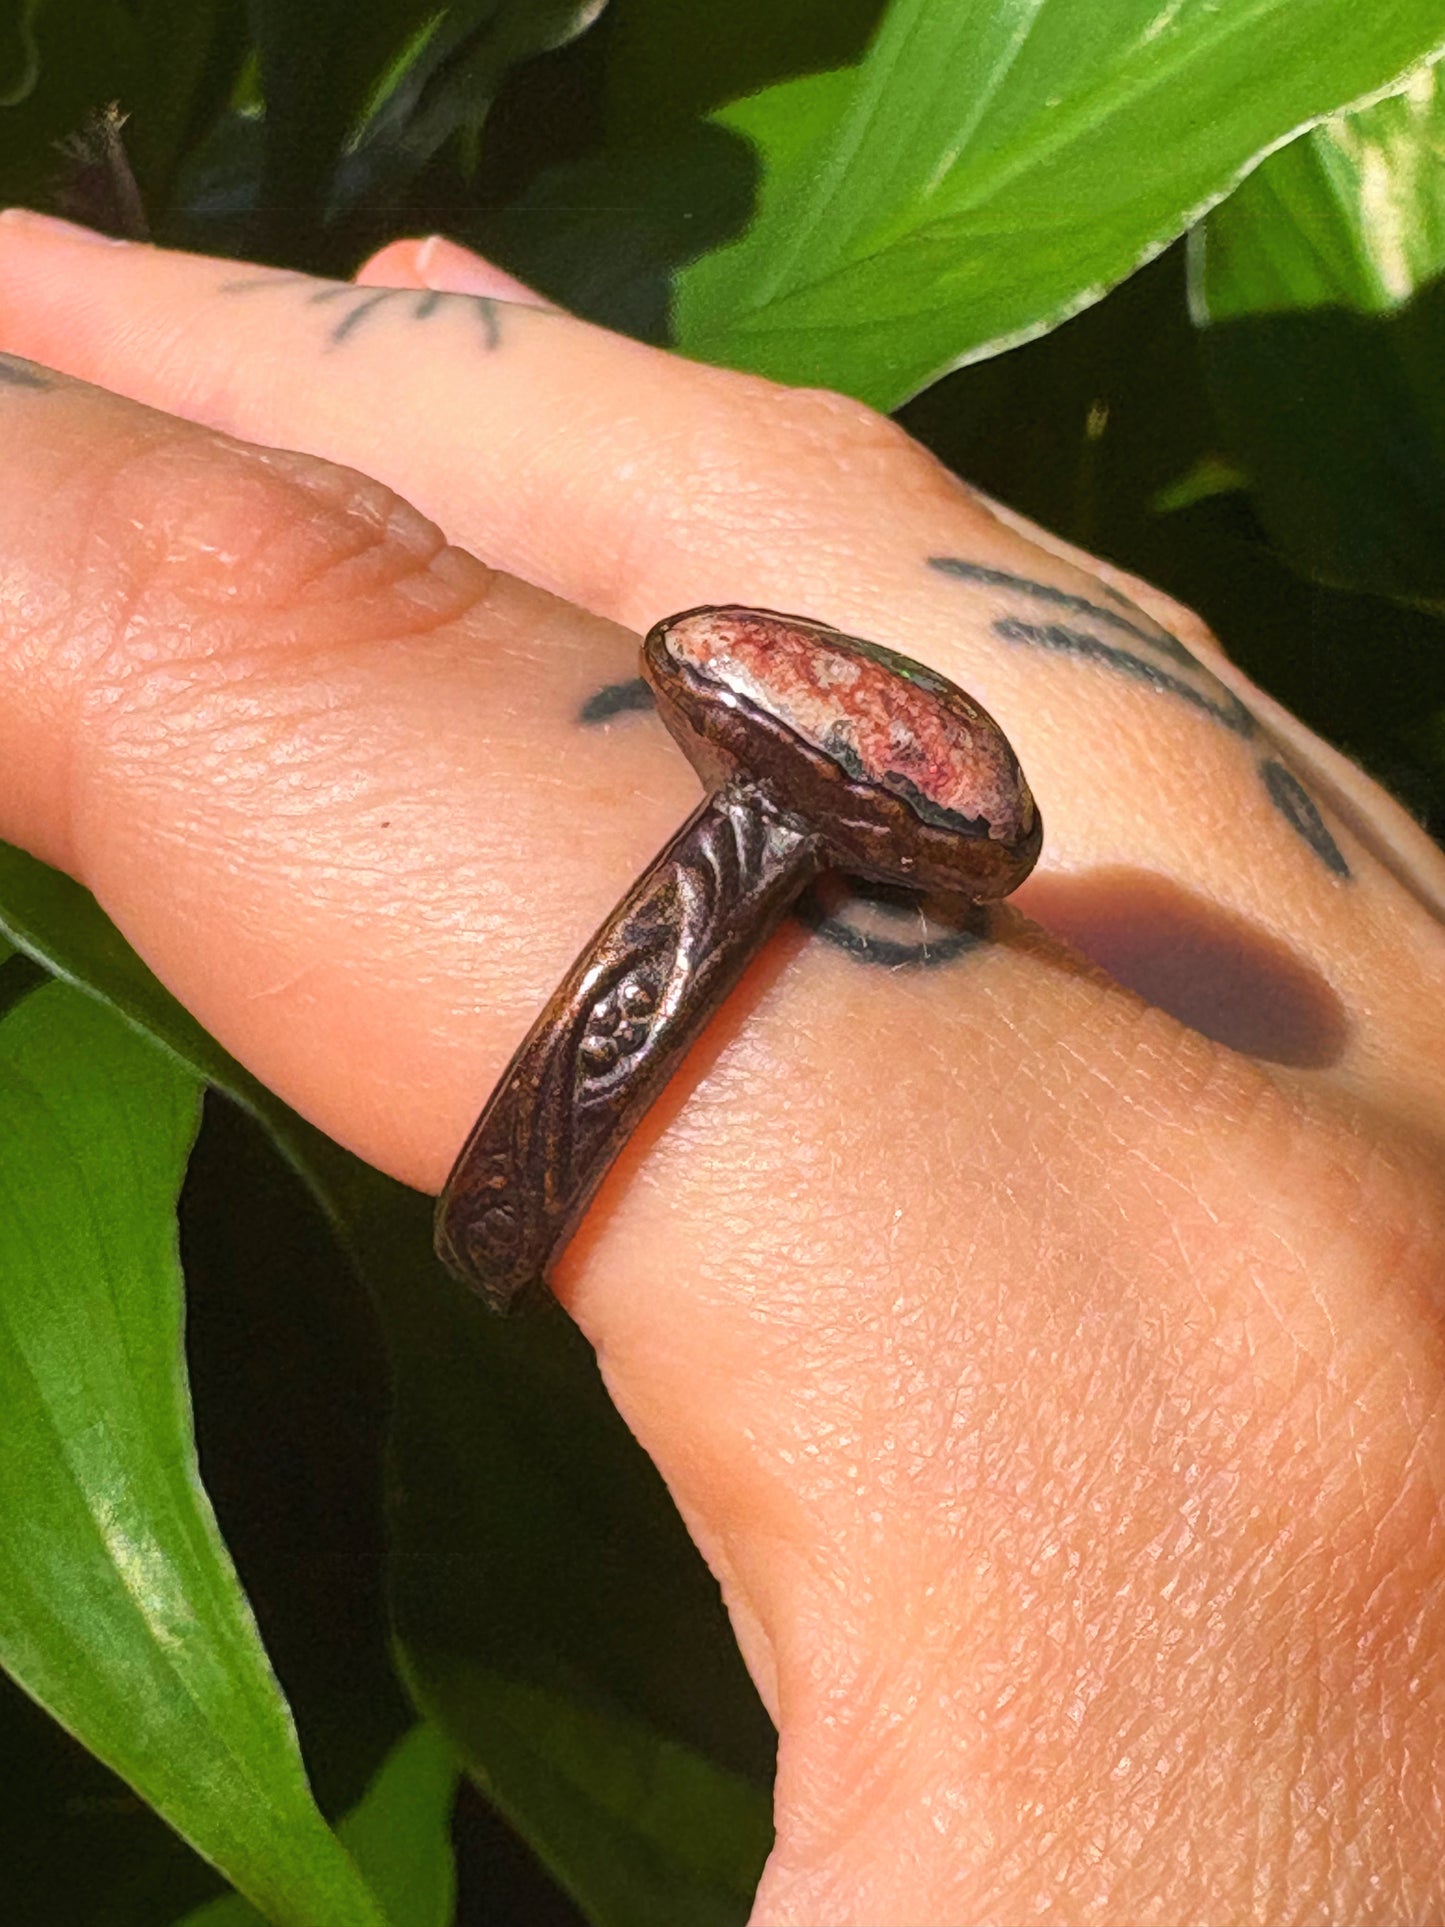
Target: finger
{"x": 909, "y": 1274}
{"x": 635, "y": 482}
{"x": 300, "y": 595}
{"x": 676, "y": 483}
{"x": 517, "y": 420}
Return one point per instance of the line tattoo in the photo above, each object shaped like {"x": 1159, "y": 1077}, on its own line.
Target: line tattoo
{"x": 616, "y": 699}
{"x": 15, "y": 372}
{"x": 1225, "y": 707}
{"x": 1161, "y": 639}
{"x": 1297, "y": 807}
{"x": 1214, "y": 699}
{"x": 488, "y": 313}
{"x": 354, "y": 317}
{"x": 417, "y": 304}
{"x": 938, "y": 942}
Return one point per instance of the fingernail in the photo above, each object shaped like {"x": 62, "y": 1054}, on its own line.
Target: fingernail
{"x": 27, "y": 219}
{"x": 442, "y": 262}
{"x": 453, "y": 269}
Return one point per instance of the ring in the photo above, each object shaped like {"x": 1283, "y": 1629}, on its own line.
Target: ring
{"x": 817, "y": 751}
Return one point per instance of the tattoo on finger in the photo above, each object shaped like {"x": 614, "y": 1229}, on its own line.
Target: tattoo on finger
{"x": 15, "y": 372}
{"x": 416, "y": 304}
{"x": 616, "y": 699}
{"x": 1078, "y": 605}
{"x": 1298, "y": 808}
{"x": 1198, "y": 687}
{"x": 893, "y": 929}
{"x": 1219, "y": 702}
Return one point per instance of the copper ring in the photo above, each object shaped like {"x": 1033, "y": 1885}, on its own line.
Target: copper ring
{"x": 817, "y": 751}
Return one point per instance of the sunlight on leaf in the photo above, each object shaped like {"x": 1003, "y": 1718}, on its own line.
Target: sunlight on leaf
{"x": 1320, "y": 290}
{"x": 399, "y": 1834}
{"x": 997, "y": 165}
{"x": 119, "y": 1609}
{"x": 1350, "y": 216}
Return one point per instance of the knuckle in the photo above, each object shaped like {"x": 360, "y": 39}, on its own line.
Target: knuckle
{"x": 767, "y": 457}
{"x": 829, "y": 436}
{"x": 225, "y": 610}
{"x": 201, "y": 551}
{"x": 836, "y": 417}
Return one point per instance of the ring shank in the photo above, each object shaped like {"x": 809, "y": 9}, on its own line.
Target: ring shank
{"x": 611, "y": 1036}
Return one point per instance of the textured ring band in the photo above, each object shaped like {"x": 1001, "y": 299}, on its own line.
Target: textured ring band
{"x": 818, "y": 751}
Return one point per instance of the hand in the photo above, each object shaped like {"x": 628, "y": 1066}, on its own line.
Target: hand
{"x": 1051, "y": 1371}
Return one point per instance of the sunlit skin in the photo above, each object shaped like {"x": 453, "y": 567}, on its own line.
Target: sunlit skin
{"x": 1056, "y": 1391}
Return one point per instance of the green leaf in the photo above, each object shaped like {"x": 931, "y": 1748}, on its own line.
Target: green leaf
{"x": 603, "y": 236}
{"x": 119, "y": 1609}
{"x": 998, "y": 164}
{"x": 534, "y": 1547}
{"x": 1211, "y": 475}
{"x": 1351, "y": 215}
{"x": 641, "y": 1832}
{"x": 319, "y": 62}
{"x": 1320, "y": 286}
{"x": 289, "y": 1384}
{"x": 399, "y": 1835}
{"x": 606, "y": 235}
{"x": 188, "y": 54}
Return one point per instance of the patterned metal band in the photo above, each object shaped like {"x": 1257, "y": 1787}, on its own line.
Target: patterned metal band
{"x": 630, "y": 1007}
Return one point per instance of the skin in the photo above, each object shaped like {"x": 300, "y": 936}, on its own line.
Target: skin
{"x": 1048, "y": 1360}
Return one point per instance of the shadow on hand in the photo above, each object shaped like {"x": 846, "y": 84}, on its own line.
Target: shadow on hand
{"x": 1214, "y": 971}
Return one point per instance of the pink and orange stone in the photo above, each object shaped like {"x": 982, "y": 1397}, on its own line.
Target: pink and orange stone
{"x": 882, "y": 717}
